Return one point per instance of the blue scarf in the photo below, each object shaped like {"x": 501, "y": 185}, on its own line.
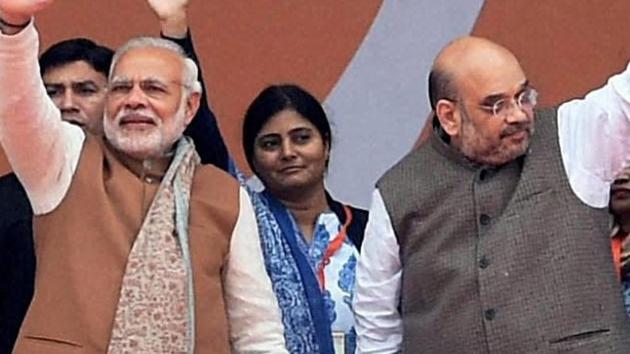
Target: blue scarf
{"x": 306, "y": 322}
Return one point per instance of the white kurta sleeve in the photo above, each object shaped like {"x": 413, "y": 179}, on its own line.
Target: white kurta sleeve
{"x": 253, "y": 311}
{"x": 377, "y": 294}
{"x": 43, "y": 151}
{"x": 593, "y": 134}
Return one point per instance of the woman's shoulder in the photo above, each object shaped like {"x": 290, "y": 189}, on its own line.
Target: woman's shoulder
{"x": 359, "y": 216}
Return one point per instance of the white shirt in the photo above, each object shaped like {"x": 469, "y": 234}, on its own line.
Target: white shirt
{"x": 593, "y": 133}
{"x": 44, "y": 152}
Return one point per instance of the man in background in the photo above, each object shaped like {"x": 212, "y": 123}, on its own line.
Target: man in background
{"x": 75, "y": 74}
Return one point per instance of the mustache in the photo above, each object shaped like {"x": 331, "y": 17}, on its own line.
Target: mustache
{"x": 517, "y": 128}
{"x": 126, "y": 115}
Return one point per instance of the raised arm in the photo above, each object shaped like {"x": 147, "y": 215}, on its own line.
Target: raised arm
{"x": 42, "y": 150}
{"x": 593, "y": 134}
{"x": 15, "y": 14}
{"x": 203, "y": 129}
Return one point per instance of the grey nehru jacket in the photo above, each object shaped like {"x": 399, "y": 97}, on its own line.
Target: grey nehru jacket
{"x": 502, "y": 260}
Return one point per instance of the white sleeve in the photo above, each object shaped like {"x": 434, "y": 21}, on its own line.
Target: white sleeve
{"x": 377, "y": 294}
{"x": 43, "y": 151}
{"x": 253, "y": 312}
{"x": 593, "y": 133}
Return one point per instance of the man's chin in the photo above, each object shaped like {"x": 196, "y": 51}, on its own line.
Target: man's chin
{"x": 500, "y": 157}
{"x": 508, "y": 155}
{"x": 131, "y": 148}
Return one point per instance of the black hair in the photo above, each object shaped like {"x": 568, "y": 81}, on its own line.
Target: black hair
{"x": 275, "y": 99}
{"x": 441, "y": 86}
{"x": 73, "y": 50}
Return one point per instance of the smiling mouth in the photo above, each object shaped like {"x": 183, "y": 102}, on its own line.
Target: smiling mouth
{"x": 137, "y": 121}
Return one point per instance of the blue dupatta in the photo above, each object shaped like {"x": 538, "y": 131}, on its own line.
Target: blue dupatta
{"x": 306, "y": 322}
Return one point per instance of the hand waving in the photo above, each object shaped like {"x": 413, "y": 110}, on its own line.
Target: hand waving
{"x": 172, "y": 16}
{"x": 20, "y": 11}
{"x": 165, "y": 9}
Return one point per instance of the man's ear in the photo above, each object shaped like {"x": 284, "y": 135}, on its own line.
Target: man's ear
{"x": 450, "y": 120}
{"x": 192, "y": 105}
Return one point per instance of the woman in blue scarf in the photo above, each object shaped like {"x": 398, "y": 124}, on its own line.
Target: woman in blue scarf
{"x": 309, "y": 240}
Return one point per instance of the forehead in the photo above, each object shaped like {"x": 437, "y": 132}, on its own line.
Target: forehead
{"x": 285, "y": 121}
{"x": 149, "y": 62}
{"x": 493, "y": 77}
{"x": 77, "y": 71}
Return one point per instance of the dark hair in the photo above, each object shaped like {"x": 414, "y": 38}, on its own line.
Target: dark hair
{"x": 73, "y": 50}
{"x": 275, "y": 99}
{"x": 441, "y": 85}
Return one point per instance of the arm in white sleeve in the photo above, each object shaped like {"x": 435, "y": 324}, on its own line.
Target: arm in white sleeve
{"x": 253, "y": 312}
{"x": 593, "y": 134}
{"x": 42, "y": 150}
{"x": 377, "y": 295}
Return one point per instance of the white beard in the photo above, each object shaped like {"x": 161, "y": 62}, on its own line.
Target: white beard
{"x": 153, "y": 142}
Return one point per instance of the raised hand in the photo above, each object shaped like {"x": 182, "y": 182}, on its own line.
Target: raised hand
{"x": 172, "y": 16}
{"x": 20, "y": 11}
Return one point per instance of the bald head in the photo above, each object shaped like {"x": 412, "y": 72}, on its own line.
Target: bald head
{"x": 469, "y": 60}
{"x": 467, "y": 54}
{"x": 482, "y": 100}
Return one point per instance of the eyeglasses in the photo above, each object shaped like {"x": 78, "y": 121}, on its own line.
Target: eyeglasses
{"x": 151, "y": 87}
{"x": 526, "y": 100}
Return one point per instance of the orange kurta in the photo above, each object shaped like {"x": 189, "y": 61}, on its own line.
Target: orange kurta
{"x": 82, "y": 248}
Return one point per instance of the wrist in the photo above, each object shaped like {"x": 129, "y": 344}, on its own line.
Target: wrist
{"x": 175, "y": 26}
{"x": 13, "y": 25}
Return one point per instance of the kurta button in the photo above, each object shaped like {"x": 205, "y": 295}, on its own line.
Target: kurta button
{"x": 149, "y": 180}
{"x": 484, "y": 219}
{"x": 484, "y": 262}
{"x": 490, "y": 314}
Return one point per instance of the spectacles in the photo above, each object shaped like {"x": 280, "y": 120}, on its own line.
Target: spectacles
{"x": 526, "y": 100}
{"x": 151, "y": 87}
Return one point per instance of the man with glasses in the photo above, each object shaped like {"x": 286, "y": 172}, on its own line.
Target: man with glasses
{"x": 140, "y": 249}
{"x": 491, "y": 238}
{"x": 74, "y": 72}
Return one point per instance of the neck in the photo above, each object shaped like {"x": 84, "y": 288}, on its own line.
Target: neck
{"x": 305, "y": 206}
{"x": 154, "y": 167}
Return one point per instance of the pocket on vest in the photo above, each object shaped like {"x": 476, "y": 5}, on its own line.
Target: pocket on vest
{"x": 53, "y": 341}
{"x": 588, "y": 339}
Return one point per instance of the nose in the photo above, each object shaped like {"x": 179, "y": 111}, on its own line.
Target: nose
{"x": 288, "y": 150}
{"x": 136, "y": 98}
{"x": 517, "y": 114}
{"x": 66, "y": 102}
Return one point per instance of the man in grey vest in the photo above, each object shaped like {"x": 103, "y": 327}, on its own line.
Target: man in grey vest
{"x": 490, "y": 238}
